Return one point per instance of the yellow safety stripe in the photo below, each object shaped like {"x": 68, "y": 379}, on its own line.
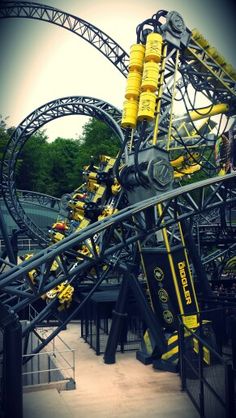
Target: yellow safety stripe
{"x": 170, "y": 353}
{"x": 206, "y": 352}
{"x": 164, "y": 231}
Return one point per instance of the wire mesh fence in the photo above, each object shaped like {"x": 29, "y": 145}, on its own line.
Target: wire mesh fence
{"x": 206, "y": 375}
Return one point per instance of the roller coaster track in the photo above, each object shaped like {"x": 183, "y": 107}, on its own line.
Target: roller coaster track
{"x": 194, "y": 66}
{"x": 136, "y": 231}
{"x": 206, "y": 75}
{"x": 75, "y": 105}
{"x": 111, "y": 243}
{"x": 90, "y": 33}
{"x": 40, "y": 199}
{"x": 220, "y": 256}
{"x": 197, "y": 66}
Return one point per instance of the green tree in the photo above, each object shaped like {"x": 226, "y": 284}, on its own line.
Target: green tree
{"x": 97, "y": 139}
{"x": 62, "y": 168}
{"x": 4, "y": 136}
{"x": 56, "y": 168}
{"x": 31, "y": 172}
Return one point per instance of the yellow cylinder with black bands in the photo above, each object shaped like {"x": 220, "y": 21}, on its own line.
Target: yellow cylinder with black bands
{"x": 133, "y": 85}
{"x": 147, "y": 105}
{"x": 150, "y": 76}
{"x": 129, "y": 115}
{"x": 153, "y": 47}
{"x": 136, "y": 60}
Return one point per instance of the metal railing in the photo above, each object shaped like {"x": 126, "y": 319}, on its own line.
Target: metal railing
{"x": 55, "y": 363}
{"x": 205, "y": 375}
{"x": 49, "y": 366}
{"x": 26, "y": 244}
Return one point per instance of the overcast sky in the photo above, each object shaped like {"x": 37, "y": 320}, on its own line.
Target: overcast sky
{"x": 42, "y": 62}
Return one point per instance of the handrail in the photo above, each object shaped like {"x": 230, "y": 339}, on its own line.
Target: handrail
{"x": 53, "y": 369}
{"x": 223, "y": 399}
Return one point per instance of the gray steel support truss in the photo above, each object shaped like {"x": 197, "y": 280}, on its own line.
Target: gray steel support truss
{"x": 90, "y": 33}
{"x": 128, "y": 229}
{"x": 77, "y": 105}
{"x": 116, "y": 235}
{"x": 111, "y": 244}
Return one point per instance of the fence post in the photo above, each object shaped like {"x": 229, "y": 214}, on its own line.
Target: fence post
{"x": 73, "y": 354}
{"x": 233, "y": 340}
{"x": 200, "y": 370}
{"x": 49, "y": 368}
{"x": 181, "y": 355}
{"x": 12, "y": 364}
{"x": 229, "y": 392}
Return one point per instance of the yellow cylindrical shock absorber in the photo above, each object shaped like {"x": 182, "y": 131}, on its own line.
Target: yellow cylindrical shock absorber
{"x": 150, "y": 76}
{"x": 130, "y": 106}
{"x": 206, "y": 112}
{"x": 203, "y": 42}
{"x": 137, "y": 52}
{"x": 133, "y": 85}
{"x": 153, "y": 47}
{"x": 130, "y": 112}
{"x": 228, "y": 68}
{"x": 195, "y": 34}
{"x": 200, "y": 38}
{"x": 212, "y": 51}
{"x": 220, "y": 60}
{"x": 147, "y": 105}
{"x": 153, "y": 54}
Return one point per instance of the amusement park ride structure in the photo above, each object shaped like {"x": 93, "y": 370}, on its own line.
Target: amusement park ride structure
{"x": 132, "y": 216}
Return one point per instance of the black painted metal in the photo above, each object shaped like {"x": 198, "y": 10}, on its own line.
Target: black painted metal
{"x": 75, "y": 105}
{"x": 151, "y": 320}
{"x": 109, "y": 250}
{"x": 194, "y": 368}
{"x": 12, "y": 398}
{"x": 118, "y": 317}
{"x": 217, "y": 88}
{"x": 68, "y": 318}
{"x": 90, "y": 33}
{"x": 40, "y": 199}
{"x": 201, "y": 70}
{"x": 100, "y": 41}
{"x": 9, "y": 250}
{"x": 205, "y": 288}
{"x": 17, "y": 289}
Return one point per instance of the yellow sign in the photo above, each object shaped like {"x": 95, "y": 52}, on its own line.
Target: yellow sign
{"x": 190, "y": 321}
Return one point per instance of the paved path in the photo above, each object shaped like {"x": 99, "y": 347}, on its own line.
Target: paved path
{"x": 124, "y": 389}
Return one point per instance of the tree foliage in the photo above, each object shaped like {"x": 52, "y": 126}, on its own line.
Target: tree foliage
{"x": 4, "y": 136}
{"x": 56, "y": 167}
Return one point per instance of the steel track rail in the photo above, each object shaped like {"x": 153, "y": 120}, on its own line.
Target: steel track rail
{"x": 75, "y": 105}
{"x": 80, "y": 27}
{"x": 40, "y": 199}
{"x": 129, "y": 218}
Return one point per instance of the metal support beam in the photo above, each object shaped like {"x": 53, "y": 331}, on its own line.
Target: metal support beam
{"x": 12, "y": 364}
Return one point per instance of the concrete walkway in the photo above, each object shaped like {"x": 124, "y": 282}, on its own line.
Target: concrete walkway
{"x": 124, "y": 389}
